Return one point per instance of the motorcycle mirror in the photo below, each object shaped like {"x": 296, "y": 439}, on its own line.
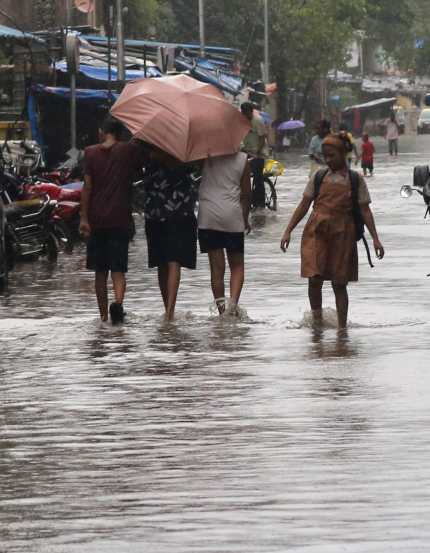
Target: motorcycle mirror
{"x": 406, "y": 191}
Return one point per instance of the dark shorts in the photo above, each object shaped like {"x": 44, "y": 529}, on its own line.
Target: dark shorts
{"x": 172, "y": 241}
{"x": 107, "y": 250}
{"x": 210, "y": 240}
{"x": 367, "y": 166}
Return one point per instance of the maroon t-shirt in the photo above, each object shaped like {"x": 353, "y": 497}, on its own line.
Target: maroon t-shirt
{"x": 112, "y": 171}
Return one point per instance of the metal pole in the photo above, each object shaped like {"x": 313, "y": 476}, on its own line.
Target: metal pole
{"x": 73, "y": 111}
{"x": 266, "y": 42}
{"x": 68, "y": 14}
{"x": 120, "y": 46}
{"x": 109, "y": 44}
{"x": 202, "y": 28}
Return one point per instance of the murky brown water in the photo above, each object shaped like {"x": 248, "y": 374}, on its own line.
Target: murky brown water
{"x": 206, "y": 436}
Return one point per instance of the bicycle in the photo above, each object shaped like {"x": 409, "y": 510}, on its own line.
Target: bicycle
{"x": 272, "y": 171}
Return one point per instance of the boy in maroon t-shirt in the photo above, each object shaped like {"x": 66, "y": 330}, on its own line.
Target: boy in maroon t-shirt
{"x": 106, "y": 213}
{"x": 367, "y": 153}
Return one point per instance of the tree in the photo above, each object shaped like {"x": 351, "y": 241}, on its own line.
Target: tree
{"x": 141, "y": 17}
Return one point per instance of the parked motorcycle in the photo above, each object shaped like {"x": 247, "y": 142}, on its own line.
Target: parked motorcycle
{"x": 28, "y": 225}
{"x": 4, "y": 266}
{"x": 421, "y": 185}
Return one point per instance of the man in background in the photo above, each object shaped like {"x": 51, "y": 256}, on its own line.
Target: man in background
{"x": 255, "y": 145}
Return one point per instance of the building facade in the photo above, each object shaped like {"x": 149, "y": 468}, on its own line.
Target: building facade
{"x": 46, "y": 14}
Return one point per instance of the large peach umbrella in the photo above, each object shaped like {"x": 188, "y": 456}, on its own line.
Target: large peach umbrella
{"x": 186, "y": 118}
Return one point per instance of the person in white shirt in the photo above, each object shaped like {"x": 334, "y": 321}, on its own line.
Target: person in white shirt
{"x": 392, "y": 135}
{"x": 224, "y": 205}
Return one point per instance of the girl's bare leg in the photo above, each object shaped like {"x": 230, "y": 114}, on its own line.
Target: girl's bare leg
{"x": 315, "y": 297}
{"x": 217, "y": 265}
{"x": 162, "y": 283}
{"x": 173, "y": 281}
{"x": 342, "y": 304}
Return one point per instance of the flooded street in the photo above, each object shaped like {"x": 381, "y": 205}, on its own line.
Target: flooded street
{"x": 256, "y": 436}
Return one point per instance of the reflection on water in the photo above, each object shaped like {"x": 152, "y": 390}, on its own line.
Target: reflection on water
{"x": 255, "y": 435}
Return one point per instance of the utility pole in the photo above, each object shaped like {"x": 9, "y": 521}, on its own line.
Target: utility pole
{"x": 202, "y": 28}
{"x": 120, "y": 46}
{"x": 266, "y": 42}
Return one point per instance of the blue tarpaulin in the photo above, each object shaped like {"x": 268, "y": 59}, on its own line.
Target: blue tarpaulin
{"x": 225, "y": 81}
{"x": 149, "y": 43}
{"x": 81, "y": 93}
{"x": 10, "y": 32}
{"x": 101, "y": 73}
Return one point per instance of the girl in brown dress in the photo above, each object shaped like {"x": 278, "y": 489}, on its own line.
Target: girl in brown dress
{"x": 329, "y": 246}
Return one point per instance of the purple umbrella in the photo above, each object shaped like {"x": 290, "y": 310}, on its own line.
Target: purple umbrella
{"x": 291, "y": 125}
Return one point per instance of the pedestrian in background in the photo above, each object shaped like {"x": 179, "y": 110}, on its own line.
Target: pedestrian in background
{"x": 367, "y": 156}
{"x": 315, "y": 146}
{"x": 224, "y": 204}
{"x": 255, "y": 145}
{"x": 329, "y": 242}
{"x": 392, "y": 135}
{"x": 350, "y": 145}
{"x": 106, "y": 213}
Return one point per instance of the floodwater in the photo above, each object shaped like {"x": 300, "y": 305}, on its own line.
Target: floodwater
{"x": 207, "y": 435}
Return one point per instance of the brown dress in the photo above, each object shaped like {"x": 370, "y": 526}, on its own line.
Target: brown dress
{"x": 329, "y": 247}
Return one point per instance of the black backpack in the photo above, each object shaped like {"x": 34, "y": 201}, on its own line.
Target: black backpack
{"x": 354, "y": 178}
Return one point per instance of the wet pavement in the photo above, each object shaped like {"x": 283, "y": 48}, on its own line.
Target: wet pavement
{"x": 256, "y": 436}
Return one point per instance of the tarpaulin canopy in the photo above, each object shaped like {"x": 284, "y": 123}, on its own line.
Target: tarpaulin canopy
{"x": 101, "y": 73}
{"x": 372, "y": 104}
{"x": 225, "y": 81}
{"x": 10, "y": 32}
{"x": 96, "y": 39}
{"x": 81, "y": 94}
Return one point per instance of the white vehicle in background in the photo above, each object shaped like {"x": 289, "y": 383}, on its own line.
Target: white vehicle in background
{"x": 424, "y": 122}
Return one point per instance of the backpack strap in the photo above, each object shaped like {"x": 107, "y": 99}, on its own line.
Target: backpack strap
{"x": 319, "y": 177}
{"x": 354, "y": 178}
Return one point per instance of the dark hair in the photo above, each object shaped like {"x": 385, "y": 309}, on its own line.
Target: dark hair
{"x": 112, "y": 126}
{"x": 247, "y": 107}
{"x": 343, "y": 127}
{"x": 325, "y": 124}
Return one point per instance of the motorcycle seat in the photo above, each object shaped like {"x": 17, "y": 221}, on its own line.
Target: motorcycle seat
{"x": 17, "y": 209}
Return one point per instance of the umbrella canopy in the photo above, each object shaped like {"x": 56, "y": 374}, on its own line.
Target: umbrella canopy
{"x": 186, "y": 118}
{"x": 291, "y": 125}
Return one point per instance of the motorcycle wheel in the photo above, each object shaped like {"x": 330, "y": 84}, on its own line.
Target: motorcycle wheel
{"x": 4, "y": 278}
{"x": 4, "y": 268}
{"x": 64, "y": 237}
{"x": 51, "y": 248}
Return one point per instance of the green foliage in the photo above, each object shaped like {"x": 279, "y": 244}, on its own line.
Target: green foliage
{"x": 141, "y": 18}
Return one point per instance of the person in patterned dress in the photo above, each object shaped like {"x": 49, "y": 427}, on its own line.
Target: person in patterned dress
{"x": 170, "y": 223}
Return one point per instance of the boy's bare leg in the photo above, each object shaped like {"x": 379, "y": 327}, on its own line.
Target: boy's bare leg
{"x": 162, "y": 283}
{"x": 342, "y": 304}
{"x": 315, "y": 297}
{"x": 173, "y": 281}
{"x": 237, "y": 277}
{"x": 217, "y": 266}
{"x": 119, "y": 286}
{"x": 102, "y": 294}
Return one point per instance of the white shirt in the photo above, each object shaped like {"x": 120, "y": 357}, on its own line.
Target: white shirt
{"x": 219, "y": 196}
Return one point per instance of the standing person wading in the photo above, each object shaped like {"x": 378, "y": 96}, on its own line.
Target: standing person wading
{"x": 255, "y": 145}
{"x": 106, "y": 215}
{"x": 170, "y": 223}
{"x": 329, "y": 242}
{"x": 392, "y": 135}
{"x": 224, "y": 203}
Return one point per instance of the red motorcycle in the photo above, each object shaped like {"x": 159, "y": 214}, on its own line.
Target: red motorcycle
{"x": 66, "y": 216}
